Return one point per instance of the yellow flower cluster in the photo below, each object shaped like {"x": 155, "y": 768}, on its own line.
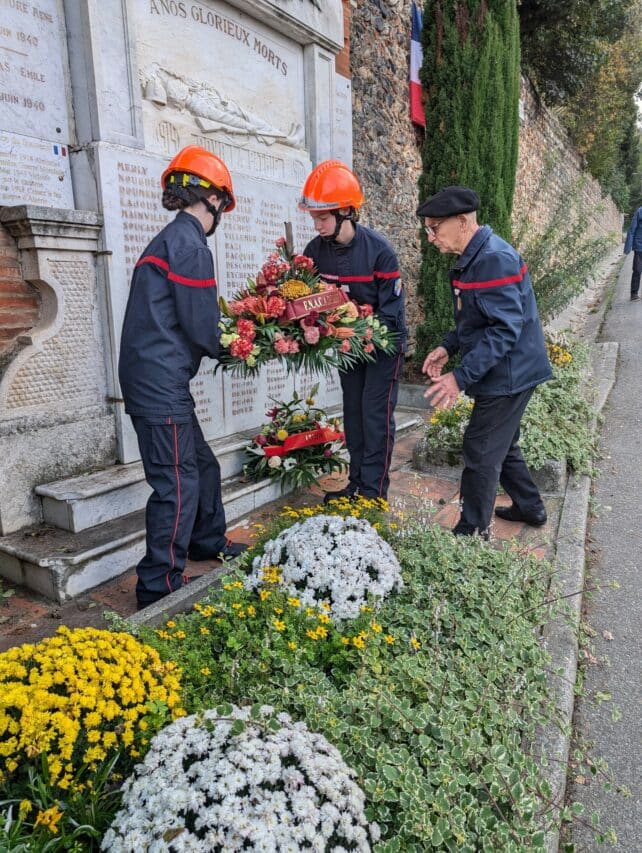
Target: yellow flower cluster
{"x": 355, "y": 506}
{"x": 318, "y": 633}
{"x": 49, "y": 818}
{"x": 77, "y": 696}
{"x": 272, "y": 574}
{"x": 462, "y": 409}
{"x": 293, "y": 289}
{"x": 558, "y": 356}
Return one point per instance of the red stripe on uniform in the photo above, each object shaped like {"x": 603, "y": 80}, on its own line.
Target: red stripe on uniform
{"x": 355, "y": 278}
{"x": 150, "y": 259}
{"x": 178, "y": 496}
{"x": 491, "y": 282}
{"x": 361, "y": 278}
{"x": 191, "y": 282}
{"x": 172, "y": 276}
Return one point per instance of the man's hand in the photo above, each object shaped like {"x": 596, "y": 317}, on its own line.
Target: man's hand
{"x": 434, "y": 362}
{"x": 443, "y": 392}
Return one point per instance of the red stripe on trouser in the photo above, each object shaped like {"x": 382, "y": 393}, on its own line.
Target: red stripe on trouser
{"x": 392, "y": 385}
{"x": 178, "y": 505}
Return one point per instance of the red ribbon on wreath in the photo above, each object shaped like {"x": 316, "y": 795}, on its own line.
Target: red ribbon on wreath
{"x": 304, "y": 439}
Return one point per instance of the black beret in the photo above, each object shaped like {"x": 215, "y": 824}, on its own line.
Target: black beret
{"x": 449, "y": 202}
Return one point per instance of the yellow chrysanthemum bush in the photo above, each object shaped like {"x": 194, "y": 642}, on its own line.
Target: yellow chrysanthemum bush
{"x": 76, "y": 711}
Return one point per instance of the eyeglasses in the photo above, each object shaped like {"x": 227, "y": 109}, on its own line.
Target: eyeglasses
{"x": 431, "y": 230}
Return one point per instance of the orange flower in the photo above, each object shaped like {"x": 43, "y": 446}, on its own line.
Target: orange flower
{"x": 342, "y": 333}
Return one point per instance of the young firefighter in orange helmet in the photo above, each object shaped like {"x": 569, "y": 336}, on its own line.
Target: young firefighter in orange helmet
{"x": 171, "y": 322}
{"x": 364, "y": 264}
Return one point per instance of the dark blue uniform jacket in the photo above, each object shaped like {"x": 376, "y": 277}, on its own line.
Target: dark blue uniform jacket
{"x": 171, "y": 320}
{"x": 634, "y": 234}
{"x": 498, "y": 330}
{"x": 367, "y": 269}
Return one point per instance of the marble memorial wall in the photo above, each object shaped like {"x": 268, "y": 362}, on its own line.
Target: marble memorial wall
{"x": 238, "y": 91}
{"x": 35, "y": 124}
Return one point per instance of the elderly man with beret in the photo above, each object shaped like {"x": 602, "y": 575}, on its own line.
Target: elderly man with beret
{"x": 503, "y": 358}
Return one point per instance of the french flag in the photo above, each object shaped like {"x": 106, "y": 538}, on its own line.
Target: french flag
{"x": 417, "y": 115}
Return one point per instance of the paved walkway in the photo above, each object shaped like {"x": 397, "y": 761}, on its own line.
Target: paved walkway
{"x": 26, "y": 617}
{"x": 613, "y": 672}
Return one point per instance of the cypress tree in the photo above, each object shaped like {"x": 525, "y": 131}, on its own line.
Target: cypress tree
{"x": 471, "y": 78}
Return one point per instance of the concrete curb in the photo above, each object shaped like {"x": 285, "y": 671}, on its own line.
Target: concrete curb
{"x": 180, "y": 601}
{"x": 561, "y": 634}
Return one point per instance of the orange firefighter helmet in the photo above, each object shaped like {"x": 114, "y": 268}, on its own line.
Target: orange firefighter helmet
{"x": 329, "y": 186}
{"x": 210, "y": 169}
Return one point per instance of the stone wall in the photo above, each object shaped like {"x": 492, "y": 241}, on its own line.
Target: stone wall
{"x": 387, "y": 147}
{"x": 386, "y": 153}
{"x": 551, "y": 171}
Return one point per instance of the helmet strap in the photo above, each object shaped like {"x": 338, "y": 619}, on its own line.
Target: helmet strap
{"x": 215, "y": 213}
{"x": 340, "y": 218}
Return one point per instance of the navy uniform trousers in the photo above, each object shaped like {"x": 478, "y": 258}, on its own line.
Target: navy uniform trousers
{"x": 185, "y": 511}
{"x": 369, "y": 398}
{"x": 637, "y": 271}
{"x": 492, "y": 456}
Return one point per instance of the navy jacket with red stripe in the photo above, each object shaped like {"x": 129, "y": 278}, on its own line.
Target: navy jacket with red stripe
{"x": 498, "y": 330}
{"x": 367, "y": 269}
{"x": 171, "y": 320}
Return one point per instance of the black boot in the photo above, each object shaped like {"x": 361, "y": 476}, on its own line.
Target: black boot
{"x": 537, "y": 518}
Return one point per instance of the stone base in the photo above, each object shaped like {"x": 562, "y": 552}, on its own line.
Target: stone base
{"x": 411, "y": 396}
{"x": 63, "y": 563}
{"x": 36, "y": 453}
{"x": 550, "y": 479}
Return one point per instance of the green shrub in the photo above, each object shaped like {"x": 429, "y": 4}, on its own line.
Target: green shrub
{"x": 563, "y": 256}
{"x": 433, "y": 699}
{"x": 556, "y": 424}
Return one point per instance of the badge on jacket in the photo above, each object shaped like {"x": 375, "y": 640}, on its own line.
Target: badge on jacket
{"x": 457, "y": 292}
{"x": 398, "y": 287}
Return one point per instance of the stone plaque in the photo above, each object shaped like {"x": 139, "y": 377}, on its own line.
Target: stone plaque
{"x": 342, "y": 136}
{"x": 35, "y": 128}
{"x": 133, "y": 215}
{"x": 35, "y": 170}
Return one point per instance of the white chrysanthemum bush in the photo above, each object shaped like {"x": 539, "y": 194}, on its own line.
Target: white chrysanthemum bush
{"x": 342, "y": 562}
{"x": 241, "y": 779}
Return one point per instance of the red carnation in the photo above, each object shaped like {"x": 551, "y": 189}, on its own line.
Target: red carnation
{"x": 275, "y": 306}
{"x": 302, "y": 262}
{"x": 246, "y": 329}
{"x": 241, "y": 348}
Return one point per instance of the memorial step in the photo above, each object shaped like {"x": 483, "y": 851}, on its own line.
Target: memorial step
{"x": 82, "y": 502}
{"x": 61, "y": 564}
{"x": 78, "y": 503}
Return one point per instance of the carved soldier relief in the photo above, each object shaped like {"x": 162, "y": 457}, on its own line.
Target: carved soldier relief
{"x": 212, "y": 111}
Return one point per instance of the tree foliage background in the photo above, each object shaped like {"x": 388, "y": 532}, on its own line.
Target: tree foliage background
{"x": 585, "y": 58}
{"x": 470, "y": 76}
